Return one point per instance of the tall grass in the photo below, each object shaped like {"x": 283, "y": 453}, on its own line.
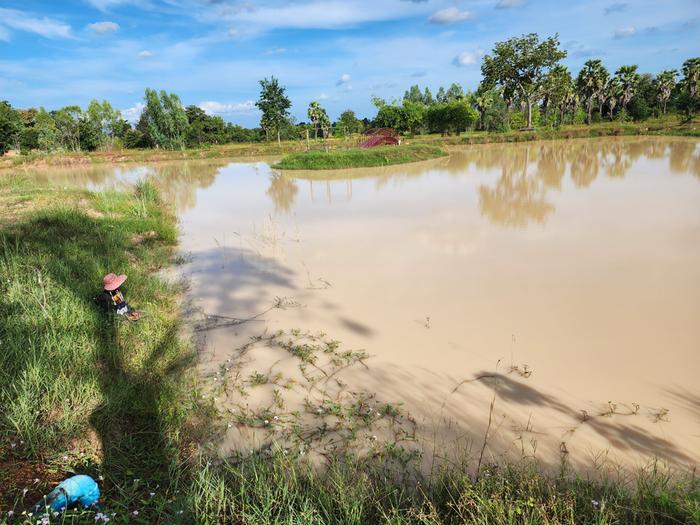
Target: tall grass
{"x": 274, "y": 488}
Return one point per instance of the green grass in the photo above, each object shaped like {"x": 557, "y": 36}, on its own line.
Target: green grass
{"x": 81, "y": 392}
{"x": 274, "y": 488}
{"x": 359, "y": 158}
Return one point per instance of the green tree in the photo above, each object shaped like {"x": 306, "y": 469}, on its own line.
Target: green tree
{"x": 664, "y": 84}
{"x": 483, "y": 100}
{"x": 691, "y": 85}
{"x": 427, "y": 97}
{"x": 165, "y": 119}
{"x": 47, "y": 132}
{"x": 613, "y": 93}
{"x": 10, "y": 127}
{"x": 104, "y": 121}
{"x": 454, "y": 92}
{"x": 413, "y": 94}
{"x": 556, "y": 86}
{"x": 441, "y": 97}
{"x": 67, "y": 122}
{"x": 522, "y": 63}
{"x": 319, "y": 118}
{"x": 348, "y": 122}
{"x": 390, "y": 116}
{"x": 204, "y": 129}
{"x": 451, "y": 117}
{"x": 414, "y": 116}
{"x": 591, "y": 82}
{"x": 274, "y": 105}
{"x": 628, "y": 78}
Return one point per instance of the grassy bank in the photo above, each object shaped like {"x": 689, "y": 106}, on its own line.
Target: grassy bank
{"x": 81, "y": 392}
{"x": 359, "y": 158}
{"x": 669, "y": 125}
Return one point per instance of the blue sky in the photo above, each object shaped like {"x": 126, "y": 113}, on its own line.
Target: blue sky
{"x": 213, "y": 52}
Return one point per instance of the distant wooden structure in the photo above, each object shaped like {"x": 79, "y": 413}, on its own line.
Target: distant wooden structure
{"x": 380, "y": 137}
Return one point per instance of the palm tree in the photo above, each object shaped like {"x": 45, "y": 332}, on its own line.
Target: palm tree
{"x": 665, "y": 82}
{"x": 314, "y": 113}
{"x": 628, "y": 78}
{"x": 483, "y": 101}
{"x": 591, "y": 82}
{"x": 613, "y": 91}
{"x": 691, "y": 82}
{"x": 556, "y": 86}
{"x": 570, "y": 102}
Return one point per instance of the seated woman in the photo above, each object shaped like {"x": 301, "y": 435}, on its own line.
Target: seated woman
{"x": 113, "y": 299}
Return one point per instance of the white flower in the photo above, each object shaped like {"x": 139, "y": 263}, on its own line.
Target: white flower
{"x": 276, "y": 418}
{"x": 151, "y": 494}
{"x": 10, "y": 513}
{"x": 595, "y": 502}
{"x": 267, "y": 422}
{"x": 135, "y": 513}
{"x": 24, "y": 491}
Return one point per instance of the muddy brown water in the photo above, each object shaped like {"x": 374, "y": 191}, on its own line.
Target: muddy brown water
{"x": 551, "y": 287}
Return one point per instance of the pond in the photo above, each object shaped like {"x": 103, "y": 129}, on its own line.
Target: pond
{"x": 545, "y": 296}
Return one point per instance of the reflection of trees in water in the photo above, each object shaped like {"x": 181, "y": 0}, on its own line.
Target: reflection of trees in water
{"x": 684, "y": 158}
{"x": 179, "y": 182}
{"x": 585, "y": 164}
{"x": 619, "y": 160}
{"x": 282, "y": 191}
{"x": 515, "y": 201}
{"x": 520, "y": 194}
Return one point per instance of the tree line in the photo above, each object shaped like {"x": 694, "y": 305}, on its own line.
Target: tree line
{"x": 524, "y": 85}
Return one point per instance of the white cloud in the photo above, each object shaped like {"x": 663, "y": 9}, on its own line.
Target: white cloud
{"x": 22, "y": 21}
{"x": 104, "y": 5}
{"x": 277, "y": 51}
{"x": 509, "y": 4}
{"x": 102, "y": 28}
{"x": 344, "y": 79}
{"x": 233, "y": 33}
{"x": 212, "y": 107}
{"x": 314, "y": 14}
{"x": 467, "y": 58}
{"x": 145, "y": 54}
{"x": 625, "y": 32}
{"x": 322, "y": 96}
{"x": 4, "y": 34}
{"x": 450, "y": 15}
{"x": 133, "y": 113}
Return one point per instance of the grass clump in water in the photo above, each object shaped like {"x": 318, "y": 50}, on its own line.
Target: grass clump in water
{"x": 359, "y": 157}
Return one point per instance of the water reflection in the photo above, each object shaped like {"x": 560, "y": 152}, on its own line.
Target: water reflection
{"x": 527, "y": 172}
{"x": 519, "y": 196}
{"x": 177, "y": 181}
{"x": 282, "y": 191}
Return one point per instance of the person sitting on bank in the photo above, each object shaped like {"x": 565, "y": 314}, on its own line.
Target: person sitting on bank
{"x": 113, "y": 298}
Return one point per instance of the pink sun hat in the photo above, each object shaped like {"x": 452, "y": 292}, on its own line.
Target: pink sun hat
{"x": 112, "y": 281}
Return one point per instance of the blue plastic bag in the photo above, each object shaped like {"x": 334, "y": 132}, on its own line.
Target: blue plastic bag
{"x": 78, "y": 490}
